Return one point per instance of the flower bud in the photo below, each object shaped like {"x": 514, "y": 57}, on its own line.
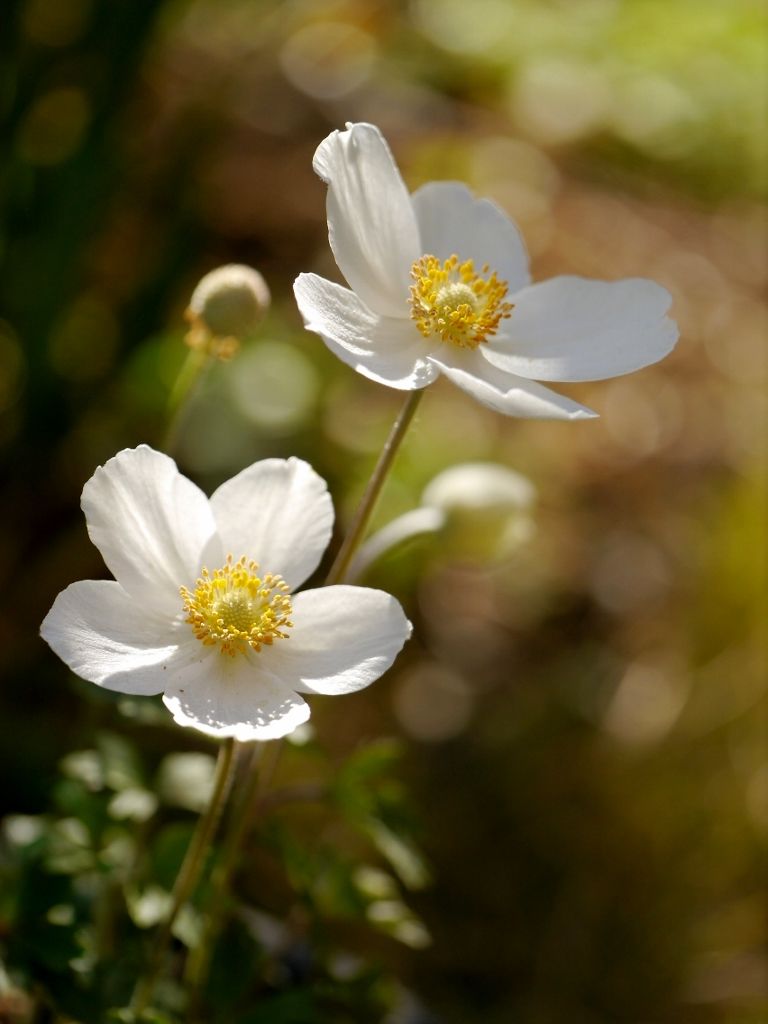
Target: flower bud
{"x": 226, "y": 307}
{"x": 487, "y": 506}
{"x": 481, "y": 511}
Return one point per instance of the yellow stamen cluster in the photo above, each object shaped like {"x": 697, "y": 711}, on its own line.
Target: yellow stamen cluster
{"x": 235, "y": 608}
{"x": 452, "y": 300}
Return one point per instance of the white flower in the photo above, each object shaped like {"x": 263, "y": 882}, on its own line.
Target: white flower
{"x": 203, "y": 609}
{"x": 439, "y": 284}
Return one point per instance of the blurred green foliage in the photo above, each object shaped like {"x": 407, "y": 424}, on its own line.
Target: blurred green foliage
{"x": 84, "y": 882}
{"x": 586, "y": 766}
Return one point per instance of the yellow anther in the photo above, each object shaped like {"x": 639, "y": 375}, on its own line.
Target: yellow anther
{"x": 451, "y": 300}
{"x": 236, "y": 608}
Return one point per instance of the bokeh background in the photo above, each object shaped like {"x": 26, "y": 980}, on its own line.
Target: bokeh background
{"x": 584, "y": 723}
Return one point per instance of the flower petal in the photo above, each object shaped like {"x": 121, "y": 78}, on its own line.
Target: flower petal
{"x": 278, "y": 512}
{"x": 223, "y": 696}
{"x": 506, "y": 393}
{"x": 371, "y": 225}
{"x": 343, "y": 638}
{"x": 108, "y": 638}
{"x": 153, "y": 527}
{"x": 451, "y": 220}
{"x": 571, "y": 329}
{"x": 385, "y": 349}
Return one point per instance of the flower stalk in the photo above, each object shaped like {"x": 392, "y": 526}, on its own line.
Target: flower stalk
{"x": 189, "y": 376}
{"x": 362, "y": 517}
{"x": 242, "y": 818}
{"x": 188, "y": 875}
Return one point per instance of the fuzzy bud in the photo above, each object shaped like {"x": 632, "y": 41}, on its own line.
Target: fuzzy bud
{"x": 226, "y": 307}
{"x": 487, "y": 507}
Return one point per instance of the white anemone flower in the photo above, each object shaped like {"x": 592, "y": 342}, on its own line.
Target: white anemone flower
{"x": 202, "y": 608}
{"x": 439, "y": 284}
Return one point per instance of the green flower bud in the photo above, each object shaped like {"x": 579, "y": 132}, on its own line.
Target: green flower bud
{"x": 487, "y": 507}
{"x": 225, "y": 309}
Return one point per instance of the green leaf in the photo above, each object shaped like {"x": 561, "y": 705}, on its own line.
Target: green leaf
{"x": 401, "y": 854}
{"x": 186, "y": 780}
{"x": 127, "y": 1016}
{"x": 168, "y": 852}
{"x": 86, "y": 767}
{"x": 133, "y": 804}
{"x": 121, "y": 762}
{"x": 70, "y": 851}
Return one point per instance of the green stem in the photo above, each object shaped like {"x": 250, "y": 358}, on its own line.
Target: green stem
{"x": 358, "y": 526}
{"x": 256, "y": 783}
{"x": 188, "y": 875}
{"x": 189, "y": 376}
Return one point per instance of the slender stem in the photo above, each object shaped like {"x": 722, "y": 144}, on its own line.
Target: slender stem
{"x": 188, "y": 875}
{"x": 367, "y": 504}
{"x": 256, "y": 782}
{"x": 189, "y": 376}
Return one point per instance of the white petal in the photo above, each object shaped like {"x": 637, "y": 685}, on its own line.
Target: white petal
{"x": 385, "y": 349}
{"x": 451, "y": 220}
{"x": 371, "y": 225}
{"x": 278, "y": 512}
{"x": 342, "y": 639}
{"x": 571, "y": 329}
{"x": 223, "y": 696}
{"x": 153, "y": 527}
{"x": 110, "y": 639}
{"x": 506, "y": 393}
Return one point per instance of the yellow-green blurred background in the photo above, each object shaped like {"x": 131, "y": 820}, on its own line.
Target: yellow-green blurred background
{"x": 586, "y": 722}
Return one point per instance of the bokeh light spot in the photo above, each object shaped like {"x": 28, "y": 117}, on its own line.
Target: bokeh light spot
{"x": 274, "y": 386}
{"x": 432, "y": 703}
{"x": 328, "y": 59}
